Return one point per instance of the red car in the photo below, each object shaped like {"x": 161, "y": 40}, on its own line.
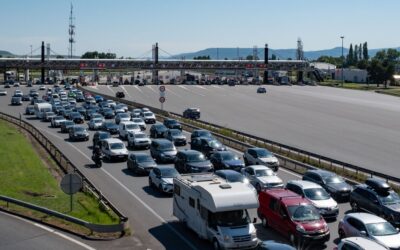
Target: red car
{"x": 293, "y": 216}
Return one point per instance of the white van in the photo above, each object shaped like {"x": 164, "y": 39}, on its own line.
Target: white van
{"x": 41, "y": 109}
{"x": 114, "y": 149}
{"x": 216, "y": 210}
{"x": 126, "y": 127}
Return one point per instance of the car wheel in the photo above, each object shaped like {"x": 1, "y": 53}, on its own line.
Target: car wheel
{"x": 264, "y": 222}
{"x": 216, "y": 244}
{"x": 258, "y": 187}
{"x": 246, "y": 162}
{"x": 341, "y": 233}
{"x": 160, "y": 188}
{"x": 293, "y": 239}
{"x": 354, "y": 206}
{"x": 150, "y": 182}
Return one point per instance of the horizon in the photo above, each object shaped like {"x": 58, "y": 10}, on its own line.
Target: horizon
{"x": 127, "y": 29}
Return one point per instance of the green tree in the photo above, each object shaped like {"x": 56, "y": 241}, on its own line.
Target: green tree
{"x": 360, "y": 52}
{"x": 350, "y": 59}
{"x": 382, "y": 66}
{"x": 250, "y": 57}
{"x": 102, "y": 55}
{"x": 273, "y": 57}
{"x": 355, "y": 56}
{"x": 365, "y": 51}
{"x": 59, "y": 57}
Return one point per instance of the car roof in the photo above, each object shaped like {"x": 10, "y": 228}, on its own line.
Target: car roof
{"x": 288, "y": 197}
{"x": 162, "y": 141}
{"x": 165, "y": 167}
{"x": 365, "y": 243}
{"x": 113, "y": 140}
{"x": 321, "y": 172}
{"x": 139, "y": 154}
{"x": 189, "y": 152}
{"x": 304, "y": 184}
{"x": 366, "y": 218}
{"x": 227, "y": 172}
{"x": 258, "y": 167}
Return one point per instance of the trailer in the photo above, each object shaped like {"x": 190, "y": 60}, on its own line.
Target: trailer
{"x": 41, "y": 109}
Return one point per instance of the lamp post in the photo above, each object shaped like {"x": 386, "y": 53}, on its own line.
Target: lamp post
{"x": 342, "y": 37}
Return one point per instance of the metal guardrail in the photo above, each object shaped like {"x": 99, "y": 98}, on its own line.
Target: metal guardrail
{"x": 251, "y": 138}
{"x": 66, "y": 166}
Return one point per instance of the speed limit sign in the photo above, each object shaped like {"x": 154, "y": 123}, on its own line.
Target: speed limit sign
{"x": 162, "y": 88}
{"x": 162, "y": 99}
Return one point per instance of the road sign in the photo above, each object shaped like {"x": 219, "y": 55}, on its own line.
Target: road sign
{"x": 162, "y": 94}
{"x": 162, "y": 99}
{"x": 162, "y": 88}
{"x": 71, "y": 183}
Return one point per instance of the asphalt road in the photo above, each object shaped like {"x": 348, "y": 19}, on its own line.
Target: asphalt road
{"x": 353, "y": 126}
{"x": 150, "y": 212}
{"x": 20, "y": 234}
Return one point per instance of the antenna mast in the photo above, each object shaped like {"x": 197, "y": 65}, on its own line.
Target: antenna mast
{"x": 71, "y": 32}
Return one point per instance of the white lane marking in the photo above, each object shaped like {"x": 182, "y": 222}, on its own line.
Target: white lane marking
{"x": 148, "y": 86}
{"x": 123, "y": 88}
{"x": 183, "y": 87}
{"x": 218, "y": 87}
{"x": 51, "y": 231}
{"x": 201, "y": 87}
{"x": 137, "y": 87}
{"x": 135, "y": 196}
{"x": 172, "y": 92}
{"x": 108, "y": 86}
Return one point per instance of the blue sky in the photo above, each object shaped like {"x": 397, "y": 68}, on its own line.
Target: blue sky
{"x": 130, "y": 27}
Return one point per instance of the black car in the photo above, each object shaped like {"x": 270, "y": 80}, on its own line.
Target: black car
{"x": 158, "y": 131}
{"x": 176, "y": 136}
{"x": 120, "y": 94}
{"x": 7, "y": 85}
{"x": 26, "y": 98}
{"x": 140, "y": 163}
{"x": 65, "y": 125}
{"x": 231, "y": 176}
{"x": 192, "y": 161}
{"x": 377, "y": 197}
{"x": 16, "y": 100}
{"x": 207, "y": 145}
{"x": 29, "y": 110}
{"x": 261, "y": 90}
{"x": 81, "y": 110}
{"x": 162, "y": 150}
{"x": 191, "y": 113}
{"x": 78, "y": 132}
{"x": 108, "y": 113}
{"x": 110, "y": 127}
{"x": 200, "y": 133}
{"x": 331, "y": 182}
{"x": 98, "y": 136}
{"x": 76, "y": 117}
{"x": 226, "y": 160}
{"x": 171, "y": 123}
{"x": 79, "y": 98}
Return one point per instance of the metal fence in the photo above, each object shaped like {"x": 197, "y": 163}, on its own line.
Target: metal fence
{"x": 67, "y": 167}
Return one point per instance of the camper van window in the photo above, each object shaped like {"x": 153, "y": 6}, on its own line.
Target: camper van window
{"x": 203, "y": 213}
{"x": 198, "y": 204}
{"x": 232, "y": 218}
{"x": 177, "y": 190}
{"x": 191, "y": 202}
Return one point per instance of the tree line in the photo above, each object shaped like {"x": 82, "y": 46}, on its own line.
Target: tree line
{"x": 95, "y": 54}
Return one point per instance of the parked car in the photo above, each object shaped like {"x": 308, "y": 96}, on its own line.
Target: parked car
{"x": 140, "y": 122}
{"x": 57, "y": 120}
{"x": 359, "y": 243}
{"x": 226, "y": 160}
{"x": 16, "y": 100}
{"x": 293, "y": 216}
{"x": 122, "y": 117}
{"x": 231, "y": 176}
{"x": 260, "y": 156}
{"x": 138, "y": 140}
{"x": 370, "y": 226}
{"x": 176, "y": 136}
{"x": 191, "y": 113}
{"x": 78, "y": 132}
{"x": 163, "y": 150}
{"x": 335, "y": 185}
{"x": 149, "y": 117}
{"x": 29, "y": 110}
{"x": 321, "y": 199}
{"x": 66, "y": 125}
{"x": 200, "y": 133}
{"x": 377, "y": 197}
{"x": 207, "y": 145}
{"x": 172, "y": 124}
{"x": 192, "y": 161}
{"x": 114, "y": 149}
{"x": 140, "y": 163}
{"x": 261, "y": 90}
{"x": 98, "y": 136}
{"x": 262, "y": 177}
{"x": 158, "y": 131}
{"x": 162, "y": 177}
{"x": 95, "y": 123}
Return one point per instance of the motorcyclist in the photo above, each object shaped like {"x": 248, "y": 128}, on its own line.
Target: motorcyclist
{"x": 97, "y": 155}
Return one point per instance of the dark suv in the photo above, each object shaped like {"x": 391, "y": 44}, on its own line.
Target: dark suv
{"x": 162, "y": 150}
{"x": 191, "y": 113}
{"x": 192, "y": 161}
{"x": 172, "y": 124}
{"x": 377, "y": 197}
{"x": 158, "y": 131}
{"x": 331, "y": 182}
{"x": 206, "y": 145}
{"x": 200, "y": 133}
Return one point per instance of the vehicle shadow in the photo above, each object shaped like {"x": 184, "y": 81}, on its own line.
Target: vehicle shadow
{"x": 90, "y": 166}
{"x": 153, "y": 191}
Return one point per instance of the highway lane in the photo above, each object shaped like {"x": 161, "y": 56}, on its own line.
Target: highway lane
{"x": 121, "y": 187}
{"x": 357, "y": 127}
{"x": 17, "y": 233}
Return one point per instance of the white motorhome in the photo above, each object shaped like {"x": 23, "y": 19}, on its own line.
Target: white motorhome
{"x": 216, "y": 210}
{"x": 41, "y": 109}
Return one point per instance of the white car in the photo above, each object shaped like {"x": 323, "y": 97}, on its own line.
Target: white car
{"x": 149, "y": 117}
{"x": 16, "y": 84}
{"x": 122, "y": 117}
{"x": 113, "y": 149}
{"x": 140, "y": 122}
{"x": 262, "y": 177}
{"x": 42, "y": 87}
{"x": 359, "y": 243}
{"x": 111, "y": 103}
{"x": 318, "y": 196}
{"x": 57, "y": 120}
{"x": 3, "y": 92}
{"x": 162, "y": 177}
{"x": 128, "y": 127}
{"x": 95, "y": 123}
{"x": 138, "y": 140}
{"x": 370, "y": 226}
{"x": 260, "y": 156}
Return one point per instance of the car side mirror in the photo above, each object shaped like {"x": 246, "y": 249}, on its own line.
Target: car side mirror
{"x": 254, "y": 220}
{"x": 363, "y": 233}
{"x": 397, "y": 229}
{"x": 284, "y": 216}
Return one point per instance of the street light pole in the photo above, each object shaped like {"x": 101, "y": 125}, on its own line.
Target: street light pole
{"x": 342, "y": 37}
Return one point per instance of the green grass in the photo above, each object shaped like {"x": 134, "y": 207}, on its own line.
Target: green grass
{"x": 26, "y": 177}
{"x": 390, "y": 91}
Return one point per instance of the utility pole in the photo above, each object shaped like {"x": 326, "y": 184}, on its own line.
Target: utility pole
{"x": 71, "y": 32}
{"x": 342, "y": 37}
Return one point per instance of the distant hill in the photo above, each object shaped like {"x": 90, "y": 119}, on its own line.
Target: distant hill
{"x": 231, "y": 53}
{"x": 4, "y": 53}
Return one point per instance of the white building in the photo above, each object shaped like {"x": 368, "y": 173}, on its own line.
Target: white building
{"x": 352, "y": 75}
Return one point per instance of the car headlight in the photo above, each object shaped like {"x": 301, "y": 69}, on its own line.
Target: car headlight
{"x": 162, "y": 154}
{"x": 246, "y": 181}
{"x": 300, "y": 229}
{"x": 326, "y": 228}
{"x": 254, "y": 234}
{"x": 227, "y": 238}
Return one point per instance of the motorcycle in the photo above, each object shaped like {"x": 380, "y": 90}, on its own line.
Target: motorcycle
{"x": 97, "y": 158}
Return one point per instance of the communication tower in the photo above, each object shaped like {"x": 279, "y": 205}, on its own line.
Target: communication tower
{"x": 71, "y": 32}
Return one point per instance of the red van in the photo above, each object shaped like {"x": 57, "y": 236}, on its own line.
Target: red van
{"x": 293, "y": 216}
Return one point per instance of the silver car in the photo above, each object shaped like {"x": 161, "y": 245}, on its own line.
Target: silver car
{"x": 95, "y": 123}
{"x": 370, "y": 226}
{"x": 360, "y": 243}
{"x": 262, "y": 177}
{"x": 161, "y": 177}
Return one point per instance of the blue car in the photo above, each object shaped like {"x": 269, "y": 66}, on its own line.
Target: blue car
{"x": 98, "y": 98}
{"x": 226, "y": 160}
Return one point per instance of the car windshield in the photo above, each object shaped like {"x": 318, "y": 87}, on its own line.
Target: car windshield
{"x": 117, "y": 145}
{"x": 303, "y": 213}
{"x": 67, "y": 123}
{"x": 169, "y": 172}
{"x": 79, "y": 129}
{"x": 137, "y": 120}
{"x": 104, "y": 136}
{"x": 263, "y": 153}
{"x": 389, "y": 198}
{"x": 232, "y": 218}
{"x": 215, "y": 144}
{"x": 264, "y": 172}
{"x": 167, "y": 147}
{"x": 204, "y": 134}
{"x": 381, "y": 229}
{"x": 124, "y": 115}
{"x": 334, "y": 179}
{"x": 175, "y": 132}
{"x": 144, "y": 158}
{"x": 140, "y": 135}
{"x": 97, "y": 120}
{"x": 148, "y": 114}
{"x": 234, "y": 177}
{"x": 132, "y": 126}
{"x": 59, "y": 118}
{"x": 195, "y": 157}
{"x": 229, "y": 157}
{"x": 110, "y": 124}
{"x": 316, "y": 194}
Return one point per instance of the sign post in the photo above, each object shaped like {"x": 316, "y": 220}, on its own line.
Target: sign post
{"x": 71, "y": 184}
{"x": 162, "y": 98}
